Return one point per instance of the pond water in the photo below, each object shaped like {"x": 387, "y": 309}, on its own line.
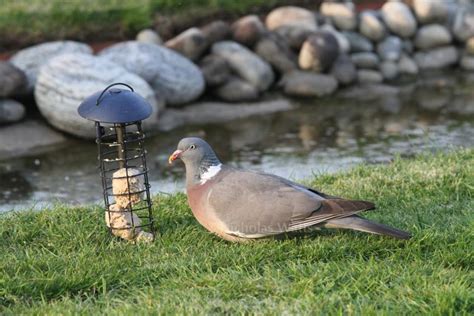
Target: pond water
{"x": 369, "y": 125}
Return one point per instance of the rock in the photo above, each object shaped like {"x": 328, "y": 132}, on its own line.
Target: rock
{"x": 399, "y": 19}
{"x": 308, "y": 84}
{"x": 431, "y": 36}
{"x": 292, "y": 16}
{"x": 463, "y": 24}
{"x": 344, "y": 70}
{"x": 172, "y": 76}
{"x": 369, "y": 92}
{"x": 215, "y": 69}
{"x": 428, "y": 11}
{"x": 216, "y": 31}
{"x": 390, "y": 48}
{"x": 432, "y": 99}
{"x": 407, "y": 66}
{"x": 293, "y": 35}
{"x": 248, "y": 30}
{"x": 342, "y": 15}
{"x": 365, "y": 60}
{"x": 470, "y": 46}
{"x": 28, "y": 138}
{"x": 365, "y": 76}
{"x": 219, "y": 112}
{"x": 318, "y": 52}
{"x": 149, "y": 36}
{"x": 11, "y": 111}
{"x": 389, "y": 70}
{"x": 467, "y": 62}
{"x": 407, "y": 46}
{"x": 30, "y": 59}
{"x": 359, "y": 43}
{"x": 190, "y": 43}
{"x": 66, "y": 80}
{"x": 371, "y": 26}
{"x": 275, "y": 50}
{"x": 236, "y": 89}
{"x": 437, "y": 58}
{"x": 12, "y": 80}
{"x": 344, "y": 45}
{"x": 246, "y": 64}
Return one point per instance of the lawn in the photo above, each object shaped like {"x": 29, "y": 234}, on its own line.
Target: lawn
{"x": 62, "y": 261}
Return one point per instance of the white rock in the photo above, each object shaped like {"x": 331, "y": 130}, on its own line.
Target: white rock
{"x": 149, "y": 36}
{"x": 432, "y": 35}
{"x": 172, "y": 76}
{"x": 371, "y": 26}
{"x": 66, "y": 80}
{"x": 399, "y": 19}
{"x": 437, "y": 58}
{"x": 341, "y": 14}
{"x": 248, "y": 65}
{"x": 470, "y": 46}
{"x": 291, "y": 16}
{"x": 431, "y": 10}
{"x": 32, "y": 58}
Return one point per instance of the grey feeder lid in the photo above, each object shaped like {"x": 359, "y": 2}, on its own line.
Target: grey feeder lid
{"x": 115, "y": 106}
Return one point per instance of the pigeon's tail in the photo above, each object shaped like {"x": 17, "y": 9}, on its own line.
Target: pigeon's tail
{"x": 356, "y": 222}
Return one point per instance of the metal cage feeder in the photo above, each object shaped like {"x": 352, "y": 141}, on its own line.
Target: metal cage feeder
{"x": 118, "y": 114}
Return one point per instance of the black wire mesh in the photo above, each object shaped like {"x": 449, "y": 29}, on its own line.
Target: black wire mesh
{"x": 124, "y": 174}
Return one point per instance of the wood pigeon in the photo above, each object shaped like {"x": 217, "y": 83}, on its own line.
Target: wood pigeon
{"x": 240, "y": 205}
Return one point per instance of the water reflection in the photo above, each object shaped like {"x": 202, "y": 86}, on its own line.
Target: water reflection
{"x": 369, "y": 124}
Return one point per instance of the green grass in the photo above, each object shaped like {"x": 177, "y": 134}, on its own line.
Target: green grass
{"x": 62, "y": 261}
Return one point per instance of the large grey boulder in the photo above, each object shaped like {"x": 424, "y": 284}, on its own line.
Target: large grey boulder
{"x": 11, "y": 111}
{"x": 437, "y": 58}
{"x": 431, "y": 36}
{"x": 32, "y": 58}
{"x": 344, "y": 70}
{"x": 365, "y": 60}
{"x": 342, "y": 15}
{"x": 236, "y": 89}
{"x": 245, "y": 63}
{"x": 172, "y": 76}
{"x": 318, "y": 52}
{"x": 215, "y": 69}
{"x": 399, "y": 18}
{"x": 308, "y": 84}
{"x": 275, "y": 50}
{"x": 358, "y": 42}
{"x": 291, "y": 16}
{"x": 12, "y": 80}
{"x": 371, "y": 26}
{"x": 390, "y": 48}
{"x": 428, "y": 11}
{"x": 344, "y": 45}
{"x": 66, "y": 80}
{"x": 191, "y": 43}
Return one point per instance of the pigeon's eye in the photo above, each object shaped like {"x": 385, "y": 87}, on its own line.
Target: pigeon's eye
{"x": 192, "y": 147}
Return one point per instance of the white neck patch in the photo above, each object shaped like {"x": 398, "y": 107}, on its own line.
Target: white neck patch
{"x": 210, "y": 173}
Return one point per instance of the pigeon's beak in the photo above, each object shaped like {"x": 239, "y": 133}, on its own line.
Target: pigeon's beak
{"x": 177, "y": 154}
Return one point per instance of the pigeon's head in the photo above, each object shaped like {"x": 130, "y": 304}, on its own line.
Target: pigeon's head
{"x": 194, "y": 151}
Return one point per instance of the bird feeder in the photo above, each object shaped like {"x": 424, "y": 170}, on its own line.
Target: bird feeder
{"x": 118, "y": 115}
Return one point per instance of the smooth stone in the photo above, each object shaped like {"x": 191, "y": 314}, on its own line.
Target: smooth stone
{"x": 365, "y": 60}
{"x": 215, "y": 69}
{"x": 369, "y": 76}
{"x": 407, "y": 46}
{"x": 437, "y": 58}
{"x": 12, "y": 80}
{"x": 216, "y": 31}
{"x": 390, "y": 48}
{"x": 431, "y": 36}
{"x": 308, "y": 84}
{"x": 218, "y": 112}
{"x": 172, "y": 76}
{"x": 359, "y": 43}
{"x": 344, "y": 45}
{"x": 399, "y": 18}
{"x": 276, "y": 51}
{"x": 245, "y": 63}
{"x": 149, "y": 36}
{"x": 407, "y": 66}
{"x": 344, "y": 70}
{"x": 371, "y": 26}
{"x": 66, "y": 80}
{"x": 467, "y": 62}
{"x": 191, "y": 43}
{"x": 11, "y": 111}
{"x": 463, "y": 24}
{"x": 318, "y": 52}
{"x": 342, "y": 15}
{"x": 293, "y": 35}
{"x": 428, "y": 11}
{"x": 292, "y": 16}
{"x": 32, "y": 58}
{"x": 28, "y": 138}
{"x": 470, "y": 46}
{"x": 236, "y": 90}
{"x": 248, "y": 30}
{"x": 389, "y": 70}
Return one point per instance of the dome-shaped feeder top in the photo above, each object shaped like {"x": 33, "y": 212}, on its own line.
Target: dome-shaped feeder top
{"x": 113, "y": 105}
